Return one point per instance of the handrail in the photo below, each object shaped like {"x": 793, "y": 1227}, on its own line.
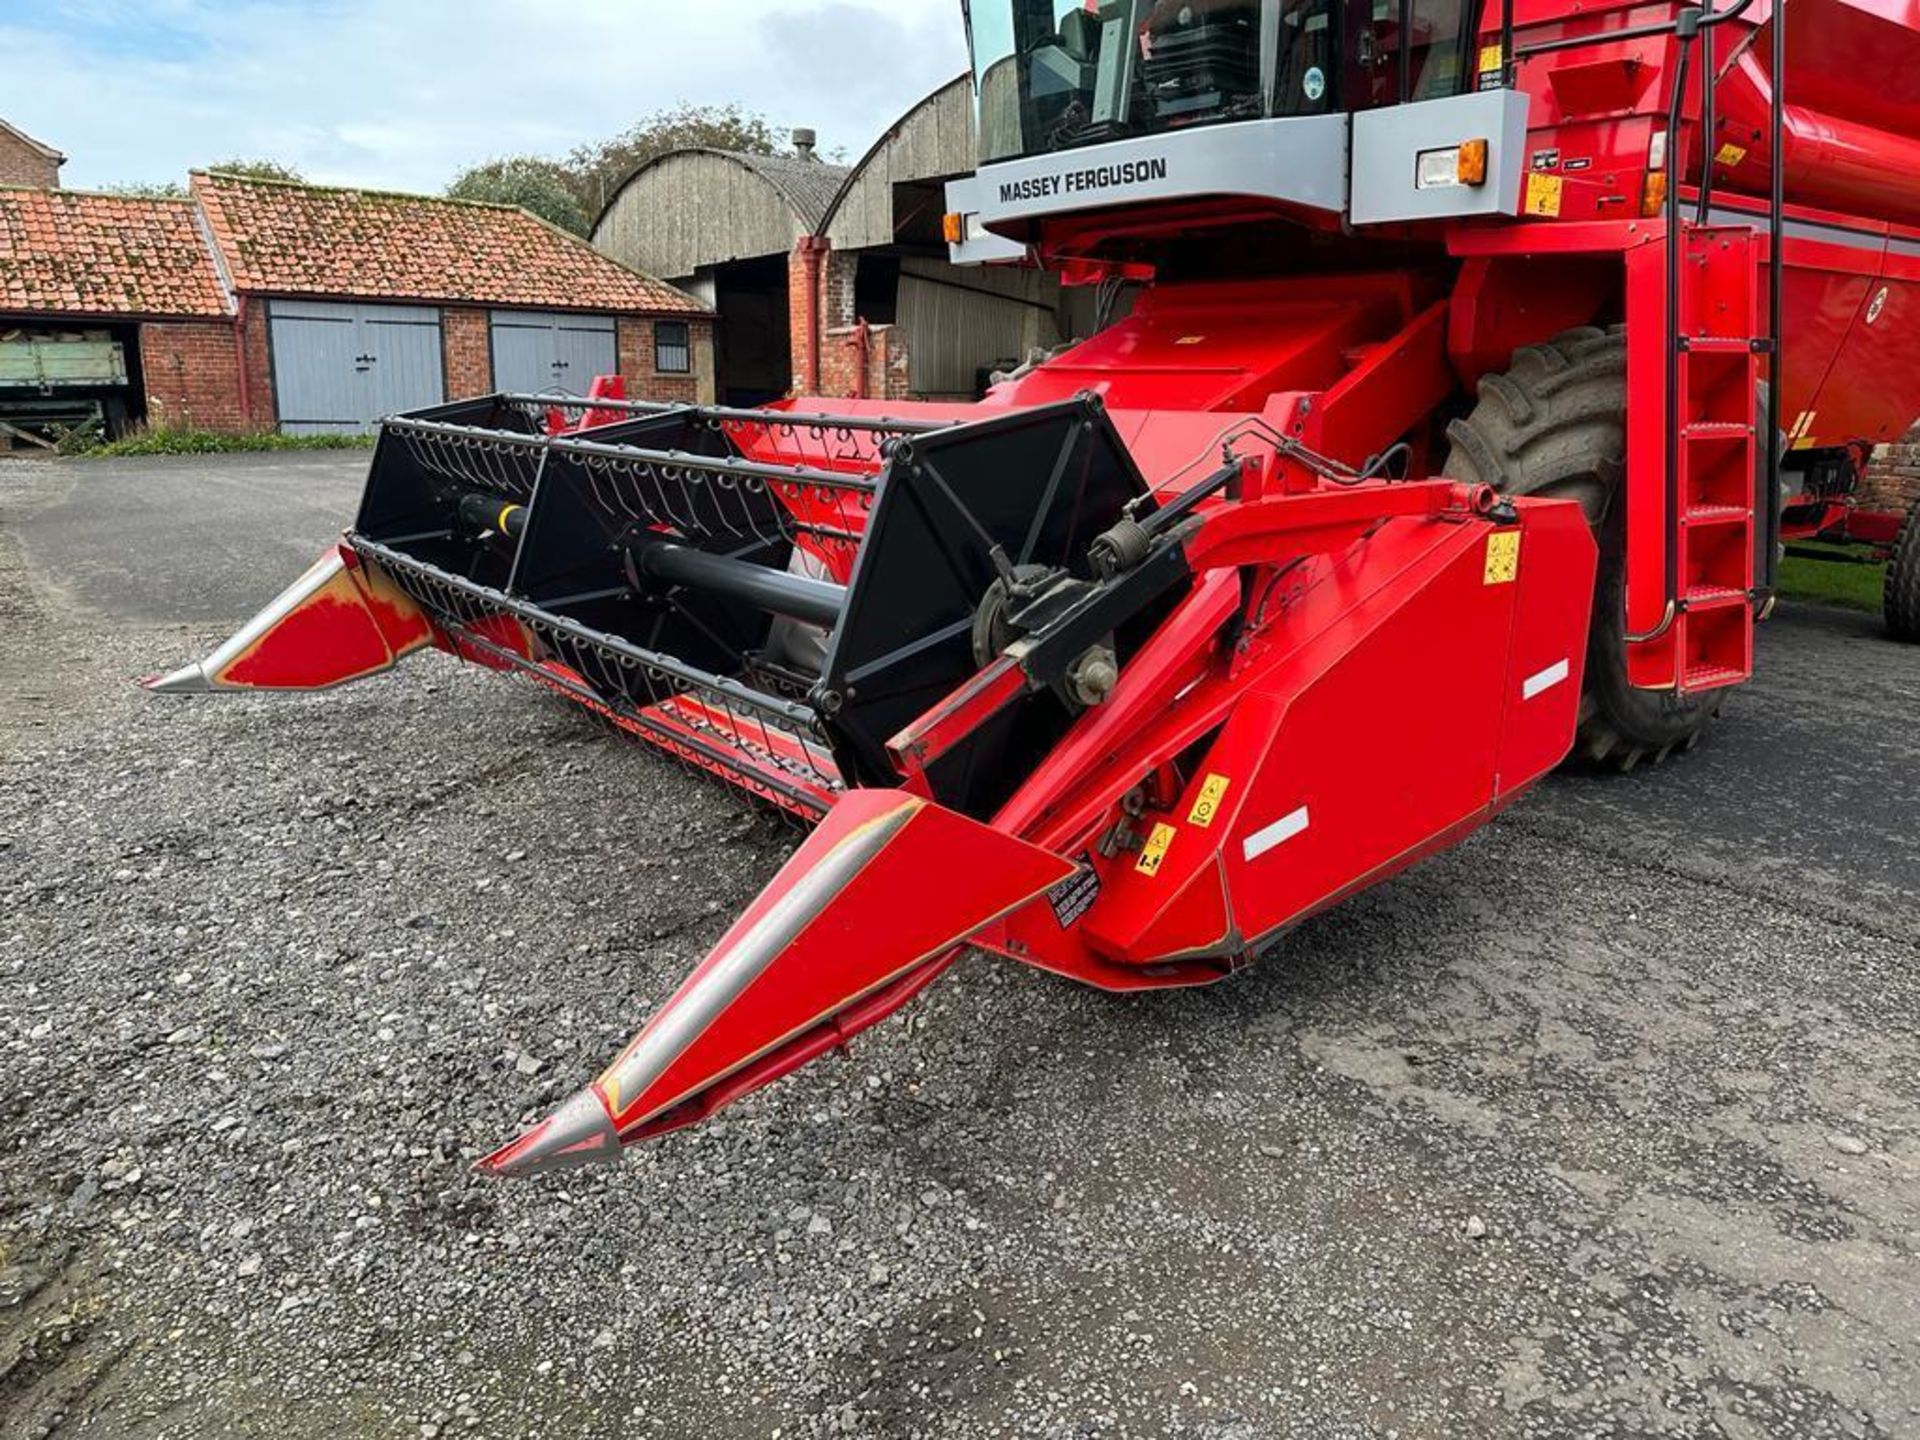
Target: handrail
{"x": 1687, "y": 34}
{"x": 1776, "y": 267}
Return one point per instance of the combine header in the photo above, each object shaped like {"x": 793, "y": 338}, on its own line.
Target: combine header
{"x": 1241, "y": 605}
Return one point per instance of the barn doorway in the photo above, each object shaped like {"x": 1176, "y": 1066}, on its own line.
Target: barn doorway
{"x": 754, "y": 337}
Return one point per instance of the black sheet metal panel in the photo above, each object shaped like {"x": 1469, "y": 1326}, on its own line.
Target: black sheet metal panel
{"x": 411, "y": 493}
{"x": 1039, "y": 485}
{"x": 577, "y": 560}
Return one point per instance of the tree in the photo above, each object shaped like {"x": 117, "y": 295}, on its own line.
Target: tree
{"x": 545, "y": 187}
{"x": 160, "y": 190}
{"x": 599, "y": 170}
{"x": 260, "y": 170}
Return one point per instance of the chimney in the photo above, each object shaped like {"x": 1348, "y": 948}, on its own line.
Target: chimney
{"x": 803, "y": 144}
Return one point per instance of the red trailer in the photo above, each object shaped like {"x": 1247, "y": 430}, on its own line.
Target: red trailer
{"x": 1480, "y": 363}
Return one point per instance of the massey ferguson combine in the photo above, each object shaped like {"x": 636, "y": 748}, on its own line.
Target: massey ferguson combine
{"x": 1439, "y": 444}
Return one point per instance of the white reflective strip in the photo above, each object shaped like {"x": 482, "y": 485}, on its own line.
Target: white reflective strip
{"x": 1545, "y": 680}
{"x": 1278, "y": 833}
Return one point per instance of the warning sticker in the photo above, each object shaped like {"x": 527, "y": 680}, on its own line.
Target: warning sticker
{"x": 1543, "y": 193}
{"x": 1207, "y": 804}
{"x": 1158, "y": 843}
{"x": 1731, "y": 154}
{"x": 1074, "y": 896}
{"x": 1492, "y": 59}
{"x": 1503, "y": 557}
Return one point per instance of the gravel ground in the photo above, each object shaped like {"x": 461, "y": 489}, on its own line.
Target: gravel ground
{"x": 1606, "y": 1123}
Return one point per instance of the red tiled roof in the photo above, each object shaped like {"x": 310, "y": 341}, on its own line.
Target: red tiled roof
{"x": 78, "y": 254}
{"x": 279, "y": 238}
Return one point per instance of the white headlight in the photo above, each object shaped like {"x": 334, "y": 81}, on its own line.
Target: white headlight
{"x": 1437, "y": 169}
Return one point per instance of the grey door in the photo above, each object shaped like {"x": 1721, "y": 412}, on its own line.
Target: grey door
{"x": 339, "y": 368}
{"x": 535, "y": 351}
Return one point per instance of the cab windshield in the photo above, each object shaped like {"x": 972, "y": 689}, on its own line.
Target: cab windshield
{"x": 1055, "y": 74}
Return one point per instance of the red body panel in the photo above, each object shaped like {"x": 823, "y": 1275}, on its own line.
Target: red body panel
{"x": 337, "y": 623}
{"x": 862, "y": 917}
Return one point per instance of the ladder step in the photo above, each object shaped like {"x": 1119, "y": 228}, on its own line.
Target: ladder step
{"x": 1710, "y": 677}
{"x": 1720, "y": 344}
{"x": 1704, "y": 598}
{"x": 1715, "y": 430}
{"x": 1702, "y": 515}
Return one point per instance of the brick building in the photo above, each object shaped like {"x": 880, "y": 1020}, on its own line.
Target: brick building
{"x": 137, "y": 272}
{"x": 260, "y": 304}
{"x": 27, "y": 162}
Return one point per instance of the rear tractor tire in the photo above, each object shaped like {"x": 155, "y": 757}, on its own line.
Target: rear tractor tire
{"x": 1903, "y": 582}
{"x": 1554, "y": 426}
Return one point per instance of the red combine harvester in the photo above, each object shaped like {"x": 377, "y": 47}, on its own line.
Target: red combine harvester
{"x": 1246, "y": 603}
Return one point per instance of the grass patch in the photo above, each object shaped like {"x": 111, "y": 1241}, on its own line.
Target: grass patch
{"x": 1843, "y": 581}
{"x": 211, "y": 442}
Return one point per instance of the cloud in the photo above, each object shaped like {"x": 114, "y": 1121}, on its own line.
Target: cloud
{"x": 404, "y": 95}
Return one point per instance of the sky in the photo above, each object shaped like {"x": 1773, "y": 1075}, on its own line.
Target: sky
{"x": 402, "y": 94}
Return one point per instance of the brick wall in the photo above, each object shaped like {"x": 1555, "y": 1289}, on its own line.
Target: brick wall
{"x": 803, "y": 310}
{"x": 257, "y": 339}
{"x": 1893, "y": 477}
{"x": 21, "y": 164}
{"x": 634, "y": 340}
{"x": 836, "y": 280}
{"x": 824, "y": 313}
{"x": 466, "y": 351}
{"x": 887, "y": 368}
{"x": 192, "y": 369}
{"x": 833, "y": 310}
{"x": 192, "y": 374}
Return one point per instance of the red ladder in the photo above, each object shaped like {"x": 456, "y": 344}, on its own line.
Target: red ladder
{"x": 1708, "y": 642}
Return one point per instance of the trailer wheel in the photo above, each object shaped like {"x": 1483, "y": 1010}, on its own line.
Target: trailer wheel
{"x": 1554, "y": 425}
{"x": 1903, "y": 581}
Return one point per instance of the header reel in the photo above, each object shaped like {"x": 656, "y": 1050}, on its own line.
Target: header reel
{"x": 773, "y": 598}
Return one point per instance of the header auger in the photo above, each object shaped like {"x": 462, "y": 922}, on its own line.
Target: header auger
{"x": 1239, "y": 606}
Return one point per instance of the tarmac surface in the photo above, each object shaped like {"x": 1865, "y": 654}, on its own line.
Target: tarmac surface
{"x": 1605, "y": 1123}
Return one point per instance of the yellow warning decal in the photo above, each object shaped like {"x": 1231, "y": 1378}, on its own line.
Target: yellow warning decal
{"x": 1158, "y": 843}
{"x": 1503, "y": 557}
{"x": 1207, "y": 805}
{"x": 1543, "y": 193}
{"x": 1731, "y": 154}
{"x": 1191, "y": 340}
{"x": 1491, "y": 59}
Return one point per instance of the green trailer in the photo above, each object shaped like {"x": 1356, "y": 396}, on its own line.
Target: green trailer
{"x": 53, "y": 383}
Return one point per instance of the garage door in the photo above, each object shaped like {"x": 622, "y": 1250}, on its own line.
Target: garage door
{"x": 535, "y": 351}
{"x": 338, "y": 369}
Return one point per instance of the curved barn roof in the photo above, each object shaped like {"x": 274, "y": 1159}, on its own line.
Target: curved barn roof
{"x": 808, "y": 185}
{"x": 692, "y": 208}
{"x": 932, "y": 141}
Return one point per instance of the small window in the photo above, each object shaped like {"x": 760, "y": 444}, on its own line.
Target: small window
{"x": 672, "y": 347}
